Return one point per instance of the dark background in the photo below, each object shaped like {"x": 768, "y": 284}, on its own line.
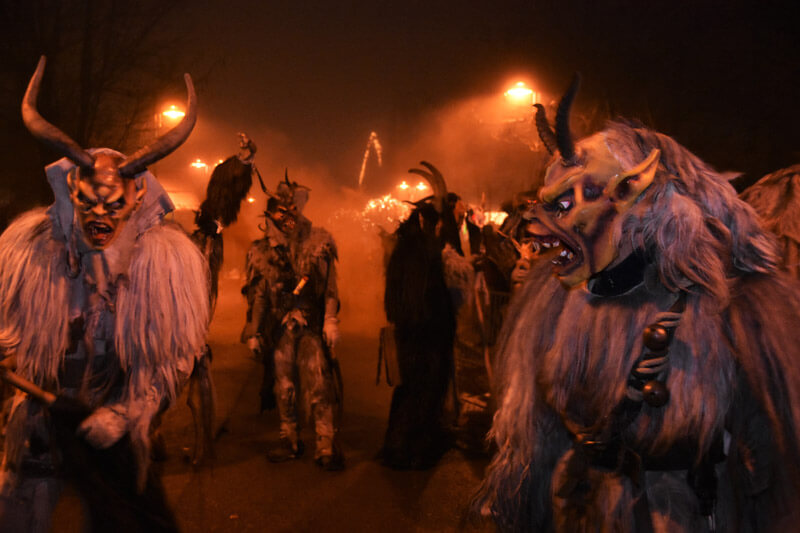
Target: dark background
{"x": 310, "y": 82}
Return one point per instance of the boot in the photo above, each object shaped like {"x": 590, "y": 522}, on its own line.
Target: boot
{"x": 328, "y": 455}
{"x": 285, "y": 450}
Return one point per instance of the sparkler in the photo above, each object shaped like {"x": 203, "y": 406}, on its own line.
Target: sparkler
{"x": 372, "y": 143}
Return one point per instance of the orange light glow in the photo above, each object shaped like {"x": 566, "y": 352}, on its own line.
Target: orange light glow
{"x": 198, "y": 163}
{"x": 173, "y": 113}
{"x": 250, "y": 199}
{"x": 403, "y": 186}
{"x": 521, "y": 94}
{"x": 421, "y": 186}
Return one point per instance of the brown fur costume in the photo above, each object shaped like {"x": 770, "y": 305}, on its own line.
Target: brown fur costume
{"x": 734, "y": 375}
{"x": 775, "y": 198}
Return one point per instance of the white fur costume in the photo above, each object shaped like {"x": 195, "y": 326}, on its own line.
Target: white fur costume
{"x": 143, "y": 302}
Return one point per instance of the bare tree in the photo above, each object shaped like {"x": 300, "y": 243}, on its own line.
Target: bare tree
{"x": 109, "y": 61}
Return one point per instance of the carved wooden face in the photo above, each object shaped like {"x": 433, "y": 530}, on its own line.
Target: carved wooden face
{"x": 103, "y": 199}
{"x": 582, "y": 208}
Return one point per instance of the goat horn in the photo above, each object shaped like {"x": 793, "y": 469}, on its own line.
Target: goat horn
{"x": 545, "y": 131}
{"x": 435, "y": 178}
{"x": 564, "y": 141}
{"x": 46, "y": 132}
{"x": 167, "y": 143}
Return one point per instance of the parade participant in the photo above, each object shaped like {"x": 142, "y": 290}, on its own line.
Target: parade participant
{"x": 101, "y": 303}
{"x": 229, "y": 184}
{"x": 652, "y": 383}
{"x": 292, "y": 323}
{"x": 427, "y": 279}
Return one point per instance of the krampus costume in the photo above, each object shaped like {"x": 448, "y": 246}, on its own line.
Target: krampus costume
{"x": 292, "y": 323}
{"x": 229, "y": 184}
{"x": 775, "y": 198}
{"x": 101, "y": 303}
{"x": 421, "y": 308}
{"x": 652, "y": 384}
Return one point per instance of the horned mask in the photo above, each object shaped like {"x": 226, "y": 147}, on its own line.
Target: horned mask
{"x": 586, "y": 196}
{"x": 105, "y": 188}
{"x": 286, "y": 204}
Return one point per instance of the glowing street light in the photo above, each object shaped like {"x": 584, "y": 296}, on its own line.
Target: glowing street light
{"x": 250, "y": 200}
{"x": 403, "y": 186}
{"x": 421, "y": 186}
{"x": 199, "y": 164}
{"x": 173, "y": 113}
{"x": 520, "y": 94}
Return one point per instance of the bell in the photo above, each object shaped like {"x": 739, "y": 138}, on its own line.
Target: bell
{"x": 655, "y": 393}
{"x": 656, "y": 337}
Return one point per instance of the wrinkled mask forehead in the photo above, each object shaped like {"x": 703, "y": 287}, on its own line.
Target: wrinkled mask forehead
{"x": 598, "y": 167}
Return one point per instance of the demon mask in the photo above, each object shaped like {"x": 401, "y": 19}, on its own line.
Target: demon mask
{"x": 586, "y": 196}
{"x": 285, "y": 205}
{"x": 104, "y": 188}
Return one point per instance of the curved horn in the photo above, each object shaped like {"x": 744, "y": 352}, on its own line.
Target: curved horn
{"x": 545, "y": 131}
{"x": 435, "y": 178}
{"x": 564, "y": 141}
{"x": 46, "y": 132}
{"x": 167, "y": 143}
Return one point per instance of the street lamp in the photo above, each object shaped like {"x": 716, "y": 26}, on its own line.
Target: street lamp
{"x": 200, "y": 165}
{"x": 521, "y": 94}
{"x": 171, "y": 115}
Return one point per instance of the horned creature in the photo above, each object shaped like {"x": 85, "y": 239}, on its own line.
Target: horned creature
{"x": 105, "y": 305}
{"x": 651, "y": 381}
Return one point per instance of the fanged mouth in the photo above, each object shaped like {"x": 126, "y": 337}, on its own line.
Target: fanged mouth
{"x": 564, "y": 256}
{"x": 99, "y": 232}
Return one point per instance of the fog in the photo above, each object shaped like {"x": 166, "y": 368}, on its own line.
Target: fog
{"x": 486, "y": 148}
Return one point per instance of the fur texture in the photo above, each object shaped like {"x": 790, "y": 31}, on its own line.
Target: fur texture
{"x": 34, "y": 290}
{"x": 226, "y": 189}
{"x": 734, "y": 365}
{"x": 418, "y": 303}
{"x": 775, "y": 198}
{"x": 161, "y": 313}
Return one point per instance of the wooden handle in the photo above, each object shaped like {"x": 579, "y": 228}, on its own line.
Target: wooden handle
{"x": 24, "y": 385}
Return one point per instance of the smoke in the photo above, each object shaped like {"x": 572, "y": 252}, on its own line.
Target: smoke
{"x": 482, "y": 146}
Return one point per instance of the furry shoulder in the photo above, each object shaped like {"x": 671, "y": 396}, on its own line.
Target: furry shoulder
{"x": 162, "y": 311}
{"x": 34, "y": 294}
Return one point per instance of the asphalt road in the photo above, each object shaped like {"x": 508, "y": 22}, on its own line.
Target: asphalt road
{"x": 242, "y": 491}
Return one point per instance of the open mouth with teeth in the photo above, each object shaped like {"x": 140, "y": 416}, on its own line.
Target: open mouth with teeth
{"x": 99, "y": 234}
{"x": 564, "y": 256}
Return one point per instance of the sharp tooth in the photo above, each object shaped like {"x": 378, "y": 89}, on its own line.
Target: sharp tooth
{"x": 546, "y": 244}
{"x": 557, "y": 243}
{"x": 570, "y": 255}
{"x": 536, "y": 246}
{"x": 554, "y": 261}
{"x": 564, "y": 253}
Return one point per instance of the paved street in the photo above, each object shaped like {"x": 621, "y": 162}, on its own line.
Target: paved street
{"x": 243, "y": 491}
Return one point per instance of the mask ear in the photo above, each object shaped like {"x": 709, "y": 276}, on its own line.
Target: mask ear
{"x": 627, "y": 186}
{"x": 140, "y": 192}
{"x": 72, "y": 180}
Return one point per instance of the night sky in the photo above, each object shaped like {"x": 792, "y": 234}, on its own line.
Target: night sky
{"x": 310, "y": 80}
